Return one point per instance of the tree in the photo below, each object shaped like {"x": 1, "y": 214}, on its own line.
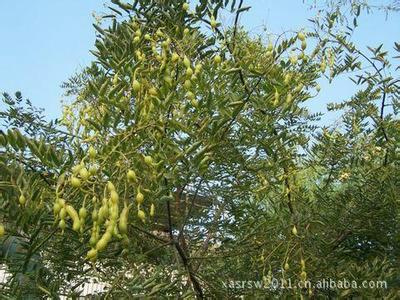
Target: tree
{"x": 188, "y": 162}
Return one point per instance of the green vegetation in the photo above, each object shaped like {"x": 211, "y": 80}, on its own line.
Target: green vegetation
{"x": 188, "y": 160}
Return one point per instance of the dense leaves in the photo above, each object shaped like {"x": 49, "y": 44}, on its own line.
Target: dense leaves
{"x": 187, "y": 159}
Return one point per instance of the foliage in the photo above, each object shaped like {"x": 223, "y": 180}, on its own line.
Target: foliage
{"x": 188, "y": 160}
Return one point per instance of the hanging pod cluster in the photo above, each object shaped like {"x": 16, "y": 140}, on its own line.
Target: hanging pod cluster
{"x": 107, "y": 215}
{"x": 107, "y": 220}
{"x": 2, "y": 230}
{"x": 63, "y": 211}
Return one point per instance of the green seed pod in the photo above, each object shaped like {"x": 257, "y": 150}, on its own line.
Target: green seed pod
{"x": 84, "y": 173}
{"x": 197, "y": 68}
{"x": 289, "y": 98}
{"x": 74, "y": 216}
{"x": 75, "y": 182}
{"x": 270, "y": 47}
{"x": 301, "y": 36}
{"x": 190, "y": 95}
{"x": 76, "y": 169}
{"x": 71, "y": 212}
{"x": 287, "y": 79}
{"x": 213, "y": 22}
{"x": 111, "y": 224}
{"x": 331, "y": 60}
{"x": 286, "y": 267}
{"x": 131, "y": 176}
{"x": 63, "y": 213}
{"x": 303, "y": 45}
{"x": 108, "y": 234}
{"x": 95, "y": 215}
{"x": 92, "y": 254}
{"x": 123, "y": 220}
{"x": 294, "y": 230}
{"x": 103, "y": 214}
{"x": 93, "y": 170}
{"x": 186, "y": 62}
{"x": 217, "y": 59}
{"x": 56, "y": 208}
{"x": 299, "y": 87}
{"x": 165, "y": 44}
{"x": 114, "y": 197}
{"x": 303, "y": 264}
{"x": 3, "y": 140}
{"x": 62, "y": 224}
{"x": 101, "y": 244}
{"x": 22, "y": 200}
{"x": 110, "y": 186}
{"x": 148, "y": 160}
{"x": 114, "y": 82}
{"x": 139, "y": 198}
{"x": 93, "y": 240}
{"x": 153, "y": 91}
{"x": 276, "y": 98}
{"x": 159, "y": 33}
{"x": 189, "y": 72}
{"x": 116, "y": 233}
{"x": 204, "y": 161}
{"x": 168, "y": 79}
{"x": 303, "y": 275}
{"x": 174, "y": 57}
{"x": 142, "y": 215}
{"x": 114, "y": 212}
{"x": 187, "y": 84}
{"x": 2, "y": 230}
{"x": 194, "y": 102}
{"x": 82, "y": 213}
{"x": 76, "y": 225}
{"x": 136, "y": 85}
{"x": 92, "y": 152}
{"x": 323, "y": 66}
{"x": 61, "y": 201}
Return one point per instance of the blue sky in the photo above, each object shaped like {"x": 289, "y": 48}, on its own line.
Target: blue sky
{"x": 45, "y": 42}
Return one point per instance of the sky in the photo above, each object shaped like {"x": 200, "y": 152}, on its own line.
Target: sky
{"x": 45, "y": 42}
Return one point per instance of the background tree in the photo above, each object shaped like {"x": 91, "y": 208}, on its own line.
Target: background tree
{"x": 188, "y": 159}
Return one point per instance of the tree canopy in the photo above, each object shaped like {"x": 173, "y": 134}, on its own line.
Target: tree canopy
{"x": 188, "y": 160}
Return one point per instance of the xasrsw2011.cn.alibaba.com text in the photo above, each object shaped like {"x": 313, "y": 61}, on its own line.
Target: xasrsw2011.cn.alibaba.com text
{"x": 324, "y": 284}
